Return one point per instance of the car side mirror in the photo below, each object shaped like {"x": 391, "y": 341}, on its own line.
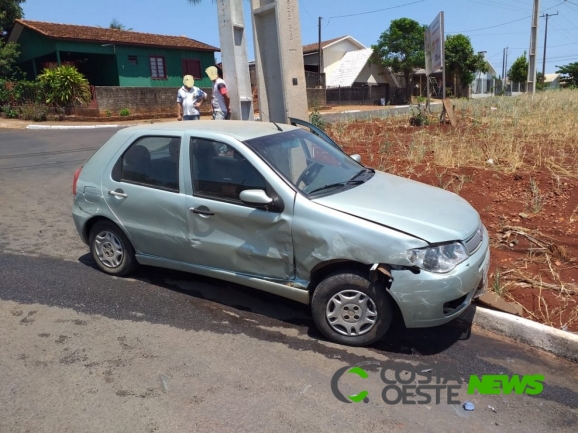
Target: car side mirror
{"x": 356, "y": 157}
{"x": 255, "y": 197}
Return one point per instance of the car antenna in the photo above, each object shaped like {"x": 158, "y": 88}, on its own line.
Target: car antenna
{"x": 278, "y": 127}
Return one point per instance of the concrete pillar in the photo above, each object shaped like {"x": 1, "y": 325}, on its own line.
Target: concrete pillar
{"x": 279, "y": 60}
{"x": 234, "y": 58}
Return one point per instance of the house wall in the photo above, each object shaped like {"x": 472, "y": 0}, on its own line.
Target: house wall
{"x": 142, "y": 100}
{"x": 555, "y": 84}
{"x": 374, "y": 74}
{"x": 33, "y": 45}
{"x": 310, "y": 59}
{"x": 140, "y": 74}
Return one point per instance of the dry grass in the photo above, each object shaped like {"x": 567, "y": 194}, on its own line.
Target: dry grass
{"x": 550, "y": 256}
{"x": 513, "y": 132}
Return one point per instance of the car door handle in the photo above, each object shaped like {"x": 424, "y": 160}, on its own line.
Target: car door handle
{"x": 204, "y": 211}
{"x": 118, "y": 194}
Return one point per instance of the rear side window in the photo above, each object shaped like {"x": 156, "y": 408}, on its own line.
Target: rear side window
{"x": 221, "y": 172}
{"x": 151, "y": 161}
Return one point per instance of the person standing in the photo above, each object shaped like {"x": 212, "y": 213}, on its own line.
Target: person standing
{"x": 221, "y": 101}
{"x": 189, "y": 99}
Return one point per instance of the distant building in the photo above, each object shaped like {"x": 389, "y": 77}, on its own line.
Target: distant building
{"x": 110, "y": 57}
{"x": 552, "y": 81}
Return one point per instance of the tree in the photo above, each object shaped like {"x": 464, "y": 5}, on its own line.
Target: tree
{"x": 569, "y": 74}
{"x": 462, "y": 62}
{"x": 8, "y": 55}
{"x": 9, "y": 11}
{"x": 518, "y": 72}
{"x": 540, "y": 81}
{"x": 401, "y": 48}
{"x": 116, "y": 25}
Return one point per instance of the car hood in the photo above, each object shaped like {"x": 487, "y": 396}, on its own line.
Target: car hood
{"x": 429, "y": 213}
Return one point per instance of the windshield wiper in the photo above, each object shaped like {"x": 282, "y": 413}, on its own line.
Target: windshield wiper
{"x": 338, "y": 184}
{"x": 359, "y": 173}
{"x": 351, "y": 181}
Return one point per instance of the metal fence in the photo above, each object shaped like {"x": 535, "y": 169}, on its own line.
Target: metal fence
{"x": 314, "y": 80}
{"x": 508, "y": 88}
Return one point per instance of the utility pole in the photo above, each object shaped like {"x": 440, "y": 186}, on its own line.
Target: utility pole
{"x": 503, "y": 77}
{"x": 545, "y": 40}
{"x": 506, "y": 69}
{"x": 533, "y": 38}
{"x": 319, "y": 49}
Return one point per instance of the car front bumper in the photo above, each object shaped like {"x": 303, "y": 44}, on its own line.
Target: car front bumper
{"x": 427, "y": 299}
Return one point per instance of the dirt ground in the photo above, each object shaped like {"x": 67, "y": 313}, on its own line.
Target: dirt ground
{"x": 534, "y": 240}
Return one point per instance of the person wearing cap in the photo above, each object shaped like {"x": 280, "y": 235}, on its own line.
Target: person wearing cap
{"x": 221, "y": 101}
{"x": 189, "y": 99}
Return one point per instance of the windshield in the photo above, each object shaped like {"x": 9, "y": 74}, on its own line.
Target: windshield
{"x": 310, "y": 163}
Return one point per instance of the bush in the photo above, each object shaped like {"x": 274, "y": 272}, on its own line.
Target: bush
{"x": 124, "y": 112}
{"x": 9, "y": 112}
{"x": 4, "y": 93}
{"x": 64, "y": 86}
{"x": 316, "y": 119}
{"x": 418, "y": 116}
{"x": 35, "y": 112}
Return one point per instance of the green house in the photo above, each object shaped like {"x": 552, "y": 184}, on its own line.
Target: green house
{"x": 110, "y": 57}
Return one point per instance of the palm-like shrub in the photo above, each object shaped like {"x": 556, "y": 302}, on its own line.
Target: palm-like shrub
{"x": 64, "y": 86}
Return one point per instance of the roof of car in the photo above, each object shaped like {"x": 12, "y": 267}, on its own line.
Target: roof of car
{"x": 239, "y": 129}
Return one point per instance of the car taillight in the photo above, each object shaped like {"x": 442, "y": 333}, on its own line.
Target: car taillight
{"x": 75, "y": 179}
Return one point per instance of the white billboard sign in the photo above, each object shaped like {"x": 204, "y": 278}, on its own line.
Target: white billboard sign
{"x": 434, "y": 45}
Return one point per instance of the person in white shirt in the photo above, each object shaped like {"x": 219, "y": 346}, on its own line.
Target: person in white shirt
{"x": 221, "y": 100}
{"x": 189, "y": 99}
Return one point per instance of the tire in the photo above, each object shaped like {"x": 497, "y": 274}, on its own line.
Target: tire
{"x": 111, "y": 249}
{"x": 358, "y": 295}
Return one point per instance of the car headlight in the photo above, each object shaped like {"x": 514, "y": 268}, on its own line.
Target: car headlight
{"x": 438, "y": 259}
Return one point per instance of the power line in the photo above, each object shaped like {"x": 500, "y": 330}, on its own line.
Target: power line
{"x": 500, "y": 5}
{"x": 503, "y": 24}
{"x": 378, "y": 10}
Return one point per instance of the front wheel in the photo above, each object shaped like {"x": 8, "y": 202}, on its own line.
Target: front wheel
{"x": 349, "y": 309}
{"x": 111, "y": 249}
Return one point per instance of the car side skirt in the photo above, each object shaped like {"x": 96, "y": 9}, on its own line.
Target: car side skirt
{"x": 285, "y": 289}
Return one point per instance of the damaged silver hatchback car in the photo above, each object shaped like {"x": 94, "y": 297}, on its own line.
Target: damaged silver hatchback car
{"x": 281, "y": 208}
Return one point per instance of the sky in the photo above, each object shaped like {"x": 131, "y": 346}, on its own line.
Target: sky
{"x": 491, "y": 25}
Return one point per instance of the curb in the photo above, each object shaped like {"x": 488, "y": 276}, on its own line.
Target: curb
{"x": 560, "y": 343}
{"x": 76, "y": 126}
{"x": 349, "y": 115}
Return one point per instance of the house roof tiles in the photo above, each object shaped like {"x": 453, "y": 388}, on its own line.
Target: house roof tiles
{"x": 112, "y": 36}
{"x": 312, "y": 48}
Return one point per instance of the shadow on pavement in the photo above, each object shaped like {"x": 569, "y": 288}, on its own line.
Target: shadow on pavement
{"x": 291, "y": 314}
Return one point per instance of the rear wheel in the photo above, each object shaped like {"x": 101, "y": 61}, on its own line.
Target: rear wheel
{"x": 111, "y": 249}
{"x": 349, "y": 309}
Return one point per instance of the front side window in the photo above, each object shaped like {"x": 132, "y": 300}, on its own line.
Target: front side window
{"x": 221, "y": 172}
{"x": 158, "y": 71}
{"x": 151, "y": 161}
{"x": 308, "y": 162}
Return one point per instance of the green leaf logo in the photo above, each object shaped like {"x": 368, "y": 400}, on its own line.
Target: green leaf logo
{"x": 356, "y": 398}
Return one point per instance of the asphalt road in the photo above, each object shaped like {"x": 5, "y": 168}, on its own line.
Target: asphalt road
{"x": 168, "y": 351}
